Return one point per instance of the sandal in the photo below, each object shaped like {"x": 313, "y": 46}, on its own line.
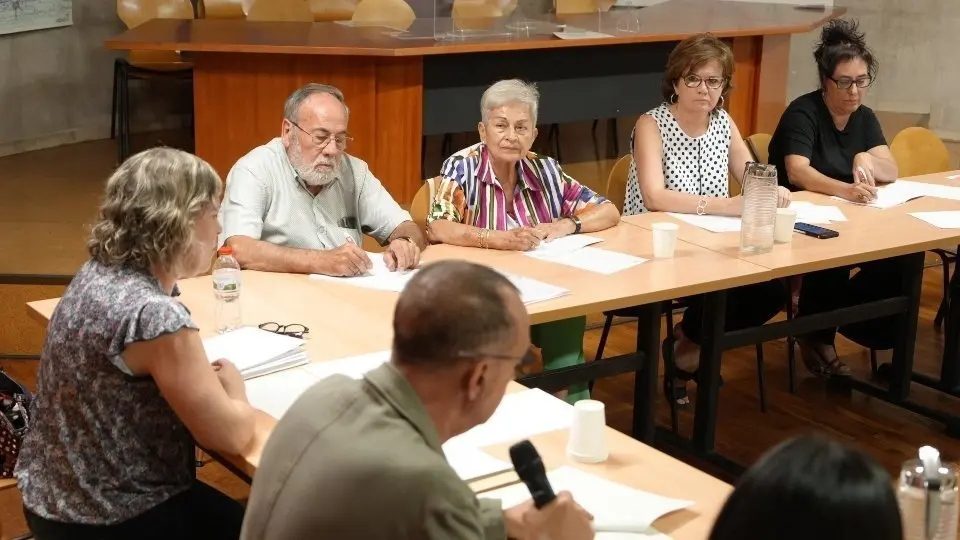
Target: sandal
{"x": 673, "y": 375}
{"x": 818, "y": 360}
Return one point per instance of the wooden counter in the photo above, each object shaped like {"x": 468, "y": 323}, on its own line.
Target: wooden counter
{"x": 401, "y": 88}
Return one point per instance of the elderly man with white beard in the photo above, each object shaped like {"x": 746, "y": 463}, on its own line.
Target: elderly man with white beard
{"x": 301, "y": 204}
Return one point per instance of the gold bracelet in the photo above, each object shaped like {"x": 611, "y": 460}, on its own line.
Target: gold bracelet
{"x": 484, "y": 233}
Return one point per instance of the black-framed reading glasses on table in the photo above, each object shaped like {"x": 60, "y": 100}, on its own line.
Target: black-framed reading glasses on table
{"x": 292, "y": 330}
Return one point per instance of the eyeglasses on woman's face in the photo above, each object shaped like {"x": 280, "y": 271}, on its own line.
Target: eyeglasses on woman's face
{"x": 845, "y": 83}
{"x": 692, "y": 80}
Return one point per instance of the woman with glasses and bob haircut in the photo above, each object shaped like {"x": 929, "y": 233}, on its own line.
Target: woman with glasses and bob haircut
{"x": 829, "y": 142}
{"x": 125, "y": 390}
{"x": 811, "y": 487}
{"x": 683, "y": 153}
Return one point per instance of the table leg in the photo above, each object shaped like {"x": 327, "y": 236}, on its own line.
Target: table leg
{"x": 645, "y": 382}
{"x": 708, "y": 379}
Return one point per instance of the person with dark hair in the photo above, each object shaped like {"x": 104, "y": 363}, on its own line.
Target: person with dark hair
{"x": 827, "y": 141}
{"x": 683, "y": 154}
{"x": 363, "y": 458}
{"x": 811, "y": 487}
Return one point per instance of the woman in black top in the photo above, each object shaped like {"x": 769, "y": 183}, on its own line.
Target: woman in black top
{"x": 829, "y": 142}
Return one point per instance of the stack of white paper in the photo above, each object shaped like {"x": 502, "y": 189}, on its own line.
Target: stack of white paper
{"x": 256, "y": 352}
{"x": 472, "y": 463}
{"x": 378, "y": 277}
{"x": 816, "y": 214}
{"x": 354, "y": 367}
{"x": 948, "y": 219}
{"x": 532, "y": 291}
{"x": 891, "y": 195}
{"x": 519, "y": 416}
{"x": 573, "y": 251}
{"x": 711, "y": 223}
{"x": 275, "y": 393}
{"x": 933, "y": 190}
{"x": 618, "y": 511}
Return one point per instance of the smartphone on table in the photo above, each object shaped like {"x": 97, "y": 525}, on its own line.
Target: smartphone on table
{"x": 815, "y": 231}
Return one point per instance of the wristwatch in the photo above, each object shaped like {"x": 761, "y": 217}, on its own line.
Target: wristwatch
{"x": 576, "y": 224}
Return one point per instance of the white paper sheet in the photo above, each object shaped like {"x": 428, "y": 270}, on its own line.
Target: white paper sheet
{"x": 944, "y": 220}
{"x": 566, "y": 244}
{"x": 933, "y": 190}
{"x": 616, "y": 508}
{"x": 572, "y": 32}
{"x": 532, "y": 290}
{"x": 891, "y": 195}
{"x": 379, "y": 277}
{"x": 816, "y": 214}
{"x": 275, "y": 393}
{"x": 472, "y": 463}
{"x": 519, "y": 416}
{"x": 353, "y": 366}
{"x": 602, "y": 261}
{"x": 256, "y": 352}
{"x": 711, "y": 223}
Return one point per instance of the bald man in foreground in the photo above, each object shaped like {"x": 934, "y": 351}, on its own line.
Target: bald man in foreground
{"x": 362, "y": 458}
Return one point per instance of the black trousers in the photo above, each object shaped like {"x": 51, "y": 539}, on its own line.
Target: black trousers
{"x": 747, "y": 306}
{"x": 201, "y": 512}
{"x": 831, "y": 289}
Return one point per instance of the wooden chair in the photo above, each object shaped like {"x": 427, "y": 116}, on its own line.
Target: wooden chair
{"x": 332, "y": 10}
{"x": 222, "y": 9}
{"x": 917, "y": 150}
{"x": 144, "y": 65}
{"x": 422, "y": 201}
{"x": 759, "y": 146}
{"x": 5, "y": 484}
{"x": 617, "y": 181}
{"x": 280, "y": 10}
{"x": 396, "y": 13}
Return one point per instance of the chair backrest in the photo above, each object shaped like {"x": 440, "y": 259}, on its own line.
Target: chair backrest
{"x": 917, "y": 150}
{"x": 617, "y": 181}
{"x": 133, "y": 13}
{"x": 422, "y": 202}
{"x": 280, "y": 10}
{"x": 332, "y": 10}
{"x": 759, "y": 146}
{"x": 395, "y": 12}
{"x": 222, "y": 9}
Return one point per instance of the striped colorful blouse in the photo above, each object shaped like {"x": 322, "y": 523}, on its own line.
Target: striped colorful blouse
{"x": 468, "y": 192}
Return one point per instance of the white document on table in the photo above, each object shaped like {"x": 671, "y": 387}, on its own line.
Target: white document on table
{"x": 933, "y": 190}
{"x": 379, "y": 277}
{"x": 472, "y": 463}
{"x": 949, "y": 219}
{"x": 601, "y": 261}
{"x": 566, "y": 244}
{"x": 816, "y": 214}
{"x": 891, "y": 195}
{"x": 718, "y": 224}
{"x": 354, "y": 367}
{"x": 572, "y": 32}
{"x": 519, "y": 416}
{"x": 532, "y": 290}
{"x": 618, "y": 510}
{"x": 256, "y": 352}
{"x": 275, "y": 393}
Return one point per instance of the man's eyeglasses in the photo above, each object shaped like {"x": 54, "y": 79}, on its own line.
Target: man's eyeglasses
{"x": 844, "y": 83}
{"x": 292, "y": 330}
{"x": 694, "y": 81}
{"x": 322, "y": 140}
{"x": 527, "y": 358}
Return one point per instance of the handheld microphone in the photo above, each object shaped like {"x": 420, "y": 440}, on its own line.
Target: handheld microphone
{"x": 526, "y": 461}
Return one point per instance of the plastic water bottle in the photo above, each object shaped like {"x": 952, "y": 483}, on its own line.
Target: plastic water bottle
{"x": 226, "y": 291}
{"x": 759, "y": 215}
{"x": 927, "y": 495}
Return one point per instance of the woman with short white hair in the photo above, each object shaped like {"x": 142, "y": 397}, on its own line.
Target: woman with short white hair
{"x": 125, "y": 390}
{"x": 497, "y": 194}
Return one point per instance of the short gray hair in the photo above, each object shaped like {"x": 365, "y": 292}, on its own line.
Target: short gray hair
{"x": 149, "y": 209}
{"x": 291, "y": 109}
{"x": 507, "y": 91}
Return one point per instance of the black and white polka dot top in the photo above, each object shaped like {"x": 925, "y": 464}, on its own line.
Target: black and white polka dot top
{"x": 690, "y": 165}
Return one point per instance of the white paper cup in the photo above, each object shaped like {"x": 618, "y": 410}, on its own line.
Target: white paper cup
{"x": 664, "y": 239}
{"x": 783, "y": 228}
{"x": 588, "y": 442}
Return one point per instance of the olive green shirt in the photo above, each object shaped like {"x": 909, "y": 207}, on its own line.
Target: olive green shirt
{"x": 362, "y": 459}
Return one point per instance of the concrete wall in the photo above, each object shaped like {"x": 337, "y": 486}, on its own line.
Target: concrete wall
{"x": 56, "y": 85}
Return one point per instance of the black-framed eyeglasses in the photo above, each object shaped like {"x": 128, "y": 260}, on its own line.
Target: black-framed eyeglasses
{"x": 527, "y": 358}
{"x": 844, "y": 83}
{"x": 292, "y": 330}
{"x": 321, "y": 141}
{"x": 694, "y": 81}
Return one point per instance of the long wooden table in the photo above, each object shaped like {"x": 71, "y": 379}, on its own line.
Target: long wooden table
{"x": 401, "y": 87}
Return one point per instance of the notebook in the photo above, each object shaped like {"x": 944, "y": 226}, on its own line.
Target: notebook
{"x": 256, "y": 352}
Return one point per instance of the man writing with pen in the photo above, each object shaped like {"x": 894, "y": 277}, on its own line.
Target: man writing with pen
{"x": 301, "y": 204}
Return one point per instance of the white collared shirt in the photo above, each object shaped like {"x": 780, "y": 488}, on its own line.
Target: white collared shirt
{"x": 265, "y": 200}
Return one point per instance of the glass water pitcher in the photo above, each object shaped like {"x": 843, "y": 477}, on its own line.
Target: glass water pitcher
{"x": 759, "y": 208}
{"x": 927, "y": 495}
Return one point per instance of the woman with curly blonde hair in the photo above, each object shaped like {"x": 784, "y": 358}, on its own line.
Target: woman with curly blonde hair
{"x": 125, "y": 390}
